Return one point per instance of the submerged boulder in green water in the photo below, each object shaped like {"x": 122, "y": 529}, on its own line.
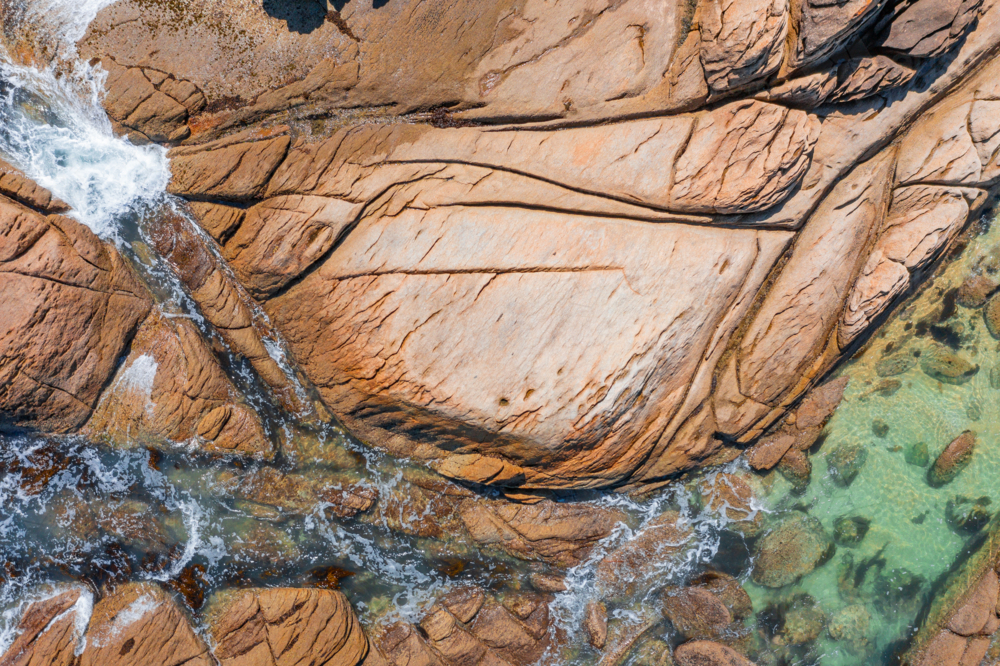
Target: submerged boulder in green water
{"x": 794, "y": 548}
{"x": 895, "y": 365}
{"x": 952, "y": 460}
{"x": 917, "y": 455}
{"x": 946, "y": 366}
{"x": 991, "y": 313}
{"x": 850, "y": 530}
{"x": 796, "y": 468}
{"x": 850, "y": 625}
{"x": 846, "y": 461}
{"x": 975, "y": 290}
{"x": 967, "y": 516}
{"x": 880, "y": 428}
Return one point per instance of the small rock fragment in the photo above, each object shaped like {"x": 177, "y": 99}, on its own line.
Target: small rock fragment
{"x": 595, "y": 623}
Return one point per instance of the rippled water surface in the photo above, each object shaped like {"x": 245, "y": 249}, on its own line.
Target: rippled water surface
{"x": 73, "y": 510}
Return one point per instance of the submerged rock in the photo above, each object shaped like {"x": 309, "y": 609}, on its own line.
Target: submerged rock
{"x": 956, "y": 457}
{"x": 991, "y": 314}
{"x": 799, "y": 621}
{"x": 946, "y": 366}
{"x": 797, "y": 468}
{"x": 708, "y": 653}
{"x": 995, "y": 377}
{"x": 976, "y": 289}
{"x": 880, "y": 428}
{"x": 851, "y": 625}
{"x": 898, "y": 592}
{"x": 968, "y": 516}
{"x": 696, "y": 612}
{"x": 846, "y": 461}
{"x": 731, "y": 496}
{"x": 791, "y": 550}
{"x": 917, "y": 455}
{"x": 895, "y": 365}
{"x": 850, "y": 530}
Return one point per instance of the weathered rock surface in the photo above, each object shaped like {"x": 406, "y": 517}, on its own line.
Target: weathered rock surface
{"x": 285, "y": 627}
{"x": 950, "y": 462}
{"x": 47, "y": 634}
{"x": 557, "y": 533}
{"x": 441, "y": 284}
{"x": 140, "y": 625}
{"x": 708, "y": 653}
{"x": 71, "y": 305}
{"x": 171, "y": 391}
{"x": 796, "y": 546}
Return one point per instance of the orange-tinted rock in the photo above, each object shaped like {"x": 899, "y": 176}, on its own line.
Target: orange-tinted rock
{"x": 140, "y": 625}
{"x": 945, "y": 649}
{"x": 170, "y": 390}
{"x": 557, "y": 533}
{"x": 15, "y": 185}
{"x": 595, "y": 624}
{"x": 300, "y": 493}
{"x": 707, "y": 653}
{"x": 71, "y": 305}
{"x": 627, "y": 569}
{"x": 955, "y": 457}
{"x": 285, "y": 627}
{"x": 47, "y": 634}
{"x": 696, "y": 612}
{"x": 972, "y": 616}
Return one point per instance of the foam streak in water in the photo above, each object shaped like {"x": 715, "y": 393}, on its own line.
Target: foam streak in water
{"x": 53, "y": 128}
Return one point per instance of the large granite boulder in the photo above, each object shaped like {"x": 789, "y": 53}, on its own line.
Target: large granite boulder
{"x": 444, "y": 226}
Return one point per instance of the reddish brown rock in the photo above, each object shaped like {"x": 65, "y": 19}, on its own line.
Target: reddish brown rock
{"x": 71, "y": 306}
{"x": 171, "y": 390}
{"x": 300, "y": 493}
{"x": 47, "y": 634}
{"x": 731, "y": 496}
{"x": 595, "y": 624}
{"x": 140, "y": 625}
{"x": 561, "y": 534}
{"x": 955, "y": 457}
{"x": 15, "y": 185}
{"x": 928, "y": 28}
{"x": 627, "y": 569}
{"x": 979, "y": 606}
{"x": 285, "y": 627}
{"x": 696, "y": 613}
{"x": 707, "y": 653}
{"x": 945, "y": 649}
{"x": 976, "y": 290}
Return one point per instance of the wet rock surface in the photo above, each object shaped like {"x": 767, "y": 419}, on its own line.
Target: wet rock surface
{"x": 796, "y": 546}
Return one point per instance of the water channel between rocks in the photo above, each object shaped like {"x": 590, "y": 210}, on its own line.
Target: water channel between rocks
{"x": 76, "y": 510}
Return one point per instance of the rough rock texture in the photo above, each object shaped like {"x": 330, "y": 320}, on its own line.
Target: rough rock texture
{"x": 468, "y": 627}
{"x": 140, "y": 625}
{"x": 285, "y": 627}
{"x": 71, "y": 305}
{"x": 955, "y": 457}
{"x": 687, "y": 182}
{"x": 650, "y": 176}
{"x": 171, "y": 391}
{"x": 47, "y": 634}
{"x": 793, "y": 548}
{"x": 556, "y": 533}
{"x": 707, "y": 653}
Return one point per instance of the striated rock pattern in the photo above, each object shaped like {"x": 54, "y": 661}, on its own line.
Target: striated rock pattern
{"x": 728, "y": 195}
{"x": 441, "y": 283}
{"x": 285, "y": 627}
{"x": 139, "y": 624}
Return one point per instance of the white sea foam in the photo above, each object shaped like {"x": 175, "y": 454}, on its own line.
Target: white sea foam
{"x": 53, "y": 127}
{"x": 140, "y": 377}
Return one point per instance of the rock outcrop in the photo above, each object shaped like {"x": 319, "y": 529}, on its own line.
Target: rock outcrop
{"x": 139, "y": 624}
{"x": 285, "y": 627}
{"x": 71, "y": 305}
{"x": 692, "y": 186}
